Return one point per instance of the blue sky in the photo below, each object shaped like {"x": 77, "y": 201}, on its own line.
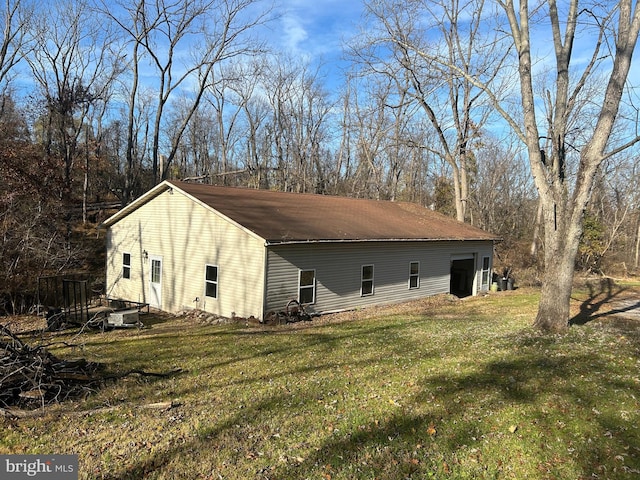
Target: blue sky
{"x": 316, "y": 29}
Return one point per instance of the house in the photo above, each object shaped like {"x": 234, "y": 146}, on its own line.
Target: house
{"x": 244, "y": 252}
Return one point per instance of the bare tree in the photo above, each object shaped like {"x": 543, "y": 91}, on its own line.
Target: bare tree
{"x": 243, "y": 81}
{"x": 379, "y": 122}
{"x": 256, "y": 111}
{"x": 212, "y": 31}
{"x": 31, "y": 240}
{"x": 502, "y": 195}
{"x": 74, "y": 68}
{"x": 298, "y": 125}
{"x": 197, "y": 155}
{"x": 227, "y": 107}
{"x": 15, "y": 17}
{"x": 456, "y": 108}
{"x": 565, "y": 197}
{"x": 565, "y": 162}
{"x": 344, "y": 162}
{"x": 136, "y": 26}
{"x": 608, "y": 239}
{"x": 370, "y": 126}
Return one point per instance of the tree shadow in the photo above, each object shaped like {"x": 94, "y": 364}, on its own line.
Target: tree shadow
{"x": 386, "y": 448}
{"x": 601, "y": 294}
{"x": 449, "y": 404}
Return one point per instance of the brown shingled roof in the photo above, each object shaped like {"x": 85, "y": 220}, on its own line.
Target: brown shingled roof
{"x": 280, "y": 217}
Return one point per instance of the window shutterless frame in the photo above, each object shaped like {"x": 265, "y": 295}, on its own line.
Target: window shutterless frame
{"x": 307, "y": 287}
{"x": 126, "y": 265}
{"x": 486, "y": 273}
{"x": 211, "y": 281}
{"x": 366, "y": 281}
{"x": 414, "y": 275}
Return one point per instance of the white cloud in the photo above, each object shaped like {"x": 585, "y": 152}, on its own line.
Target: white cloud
{"x": 316, "y": 27}
{"x": 294, "y": 32}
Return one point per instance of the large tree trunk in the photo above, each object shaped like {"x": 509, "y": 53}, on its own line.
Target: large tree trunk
{"x": 564, "y": 196}
{"x": 562, "y": 237}
{"x": 555, "y": 296}
{"x": 536, "y": 231}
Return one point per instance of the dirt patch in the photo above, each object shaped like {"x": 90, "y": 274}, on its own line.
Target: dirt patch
{"x": 420, "y": 307}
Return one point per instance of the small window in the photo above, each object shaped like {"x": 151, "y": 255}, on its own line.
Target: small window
{"x": 126, "y": 265}
{"x": 211, "y": 281}
{"x": 367, "y": 280}
{"x": 414, "y": 275}
{"x": 486, "y": 273}
{"x": 307, "y": 287}
{"x": 156, "y": 270}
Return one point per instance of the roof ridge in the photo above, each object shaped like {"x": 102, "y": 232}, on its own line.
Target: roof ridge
{"x": 179, "y": 183}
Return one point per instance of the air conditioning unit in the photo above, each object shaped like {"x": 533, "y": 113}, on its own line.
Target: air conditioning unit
{"x": 123, "y": 317}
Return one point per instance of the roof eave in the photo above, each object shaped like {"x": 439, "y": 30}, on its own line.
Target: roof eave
{"x": 274, "y": 242}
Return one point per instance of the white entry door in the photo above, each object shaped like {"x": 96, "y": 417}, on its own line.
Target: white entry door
{"x": 155, "y": 281}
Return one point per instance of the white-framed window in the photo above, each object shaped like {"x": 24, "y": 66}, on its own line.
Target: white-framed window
{"x": 156, "y": 270}
{"x": 211, "y": 281}
{"x": 486, "y": 273}
{"x": 307, "y": 287}
{"x": 414, "y": 275}
{"x": 366, "y": 281}
{"x": 126, "y": 265}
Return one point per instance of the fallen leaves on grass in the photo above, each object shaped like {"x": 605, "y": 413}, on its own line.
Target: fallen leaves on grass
{"x": 414, "y": 391}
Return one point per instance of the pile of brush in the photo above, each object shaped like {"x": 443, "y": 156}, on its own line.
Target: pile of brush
{"x": 32, "y": 377}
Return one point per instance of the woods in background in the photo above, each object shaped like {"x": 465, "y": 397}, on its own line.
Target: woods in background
{"x": 99, "y": 101}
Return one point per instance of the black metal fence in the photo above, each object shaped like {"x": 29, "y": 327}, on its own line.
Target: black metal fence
{"x": 69, "y": 297}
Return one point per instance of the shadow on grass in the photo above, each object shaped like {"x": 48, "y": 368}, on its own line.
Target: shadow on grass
{"x": 537, "y": 387}
{"x": 600, "y": 295}
{"x": 387, "y": 449}
{"x": 289, "y": 341}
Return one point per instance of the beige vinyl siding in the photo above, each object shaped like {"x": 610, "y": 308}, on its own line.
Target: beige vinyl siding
{"x": 188, "y": 236}
{"x": 338, "y": 269}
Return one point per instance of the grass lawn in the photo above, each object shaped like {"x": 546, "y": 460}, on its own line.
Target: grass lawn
{"x": 430, "y": 389}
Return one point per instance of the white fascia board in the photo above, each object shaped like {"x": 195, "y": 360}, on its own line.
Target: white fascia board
{"x": 219, "y": 214}
{"x": 137, "y": 203}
